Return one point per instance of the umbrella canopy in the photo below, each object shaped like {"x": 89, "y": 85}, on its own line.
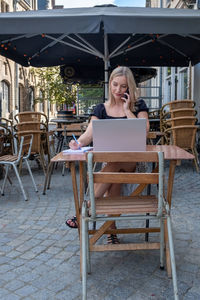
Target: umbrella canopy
{"x": 73, "y": 74}
{"x": 98, "y": 36}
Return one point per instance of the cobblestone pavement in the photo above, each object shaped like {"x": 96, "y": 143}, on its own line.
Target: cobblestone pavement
{"x": 39, "y": 255}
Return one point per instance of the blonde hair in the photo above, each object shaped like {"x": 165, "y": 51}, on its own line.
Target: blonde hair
{"x": 124, "y": 71}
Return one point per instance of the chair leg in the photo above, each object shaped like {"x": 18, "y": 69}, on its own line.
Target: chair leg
{"x": 162, "y": 244}
{"x": 47, "y": 177}
{"x": 63, "y": 169}
{"x": 20, "y": 183}
{"x": 88, "y": 248}
{"x": 31, "y": 174}
{"x": 41, "y": 154}
{"x": 172, "y": 258}
{"x": 194, "y": 152}
{"x": 4, "y": 182}
{"x": 10, "y": 181}
{"x": 84, "y": 254}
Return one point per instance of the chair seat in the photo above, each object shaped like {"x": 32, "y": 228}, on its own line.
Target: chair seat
{"x": 127, "y": 205}
{"x": 8, "y": 158}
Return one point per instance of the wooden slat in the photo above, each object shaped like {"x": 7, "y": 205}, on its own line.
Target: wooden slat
{"x": 8, "y": 158}
{"x": 127, "y": 205}
{"x": 136, "y": 199}
{"x": 125, "y": 157}
{"x": 98, "y": 233}
{"x": 119, "y": 177}
{"x": 127, "y": 230}
{"x": 131, "y": 246}
{"x": 133, "y": 210}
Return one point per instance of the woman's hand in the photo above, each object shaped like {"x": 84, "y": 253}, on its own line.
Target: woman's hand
{"x": 127, "y": 102}
{"x": 74, "y": 146}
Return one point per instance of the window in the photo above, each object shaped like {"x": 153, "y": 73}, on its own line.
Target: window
{"x": 31, "y": 98}
{"x": 168, "y": 2}
{"x": 20, "y": 73}
{"x": 183, "y": 77}
{"x": 5, "y": 97}
{"x": 4, "y": 7}
{"x": 41, "y": 104}
{"x": 5, "y": 69}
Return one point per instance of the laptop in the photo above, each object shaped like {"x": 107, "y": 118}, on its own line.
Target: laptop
{"x": 119, "y": 135}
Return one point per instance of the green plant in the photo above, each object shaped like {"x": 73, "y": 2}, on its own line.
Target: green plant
{"x": 52, "y": 88}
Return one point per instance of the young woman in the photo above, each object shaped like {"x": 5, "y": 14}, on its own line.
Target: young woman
{"x": 122, "y": 103}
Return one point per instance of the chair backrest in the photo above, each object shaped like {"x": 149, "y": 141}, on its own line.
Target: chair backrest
{"x": 25, "y": 147}
{"x": 27, "y": 126}
{"x": 184, "y": 136}
{"x": 179, "y": 121}
{"x": 31, "y": 116}
{"x": 174, "y": 109}
{"x": 7, "y": 122}
{"x": 182, "y": 112}
{"x": 185, "y": 103}
{"x": 77, "y": 129}
{"x": 37, "y": 129}
{"x": 6, "y": 135}
{"x": 124, "y": 177}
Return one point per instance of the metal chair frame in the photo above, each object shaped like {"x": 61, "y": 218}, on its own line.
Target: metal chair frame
{"x": 124, "y": 208}
{"x": 15, "y": 160}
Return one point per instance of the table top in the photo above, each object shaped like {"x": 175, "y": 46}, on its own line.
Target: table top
{"x": 66, "y": 121}
{"x": 154, "y": 120}
{"x": 171, "y": 152}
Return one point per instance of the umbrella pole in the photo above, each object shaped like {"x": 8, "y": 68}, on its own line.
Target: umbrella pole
{"x": 190, "y": 81}
{"x": 106, "y": 63}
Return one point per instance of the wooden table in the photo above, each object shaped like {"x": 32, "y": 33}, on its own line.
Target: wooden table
{"x": 172, "y": 153}
{"x": 61, "y": 122}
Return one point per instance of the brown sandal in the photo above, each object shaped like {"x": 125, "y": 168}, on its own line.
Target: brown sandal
{"x": 112, "y": 239}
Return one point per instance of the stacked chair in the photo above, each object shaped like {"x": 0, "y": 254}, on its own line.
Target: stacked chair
{"x": 177, "y": 122}
{"x": 36, "y": 124}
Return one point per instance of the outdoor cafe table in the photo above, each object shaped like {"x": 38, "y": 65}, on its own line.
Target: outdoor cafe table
{"x": 61, "y": 122}
{"x": 172, "y": 153}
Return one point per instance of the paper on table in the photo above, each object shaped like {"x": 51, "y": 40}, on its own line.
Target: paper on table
{"x": 82, "y": 150}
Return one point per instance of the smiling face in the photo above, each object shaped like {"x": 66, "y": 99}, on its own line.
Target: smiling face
{"x": 119, "y": 86}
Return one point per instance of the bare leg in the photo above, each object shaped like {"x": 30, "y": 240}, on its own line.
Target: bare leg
{"x": 101, "y": 188}
{"x": 112, "y": 189}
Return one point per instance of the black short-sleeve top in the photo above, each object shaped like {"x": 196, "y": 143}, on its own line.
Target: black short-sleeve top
{"x": 100, "y": 111}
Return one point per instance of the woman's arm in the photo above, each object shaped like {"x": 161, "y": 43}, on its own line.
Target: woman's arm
{"x": 144, "y": 114}
{"x": 85, "y": 139}
{"x": 130, "y": 115}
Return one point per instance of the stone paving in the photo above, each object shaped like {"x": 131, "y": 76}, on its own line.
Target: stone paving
{"x": 39, "y": 254}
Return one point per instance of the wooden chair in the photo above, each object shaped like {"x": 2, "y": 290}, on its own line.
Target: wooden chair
{"x": 109, "y": 209}
{"x": 15, "y": 160}
{"x": 185, "y": 137}
{"x": 67, "y": 134}
{"x": 186, "y": 103}
{"x": 174, "y": 109}
{"x": 40, "y": 145}
{"x": 179, "y": 121}
{"x": 176, "y": 104}
{"x": 182, "y": 112}
{"x": 7, "y": 141}
{"x": 31, "y": 116}
{"x": 7, "y": 122}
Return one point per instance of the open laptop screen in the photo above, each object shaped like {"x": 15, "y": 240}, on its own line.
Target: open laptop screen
{"x": 119, "y": 135}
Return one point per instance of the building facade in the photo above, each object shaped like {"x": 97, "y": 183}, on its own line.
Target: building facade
{"x": 179, "y": 83}
{"x": 18, "y": 84}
